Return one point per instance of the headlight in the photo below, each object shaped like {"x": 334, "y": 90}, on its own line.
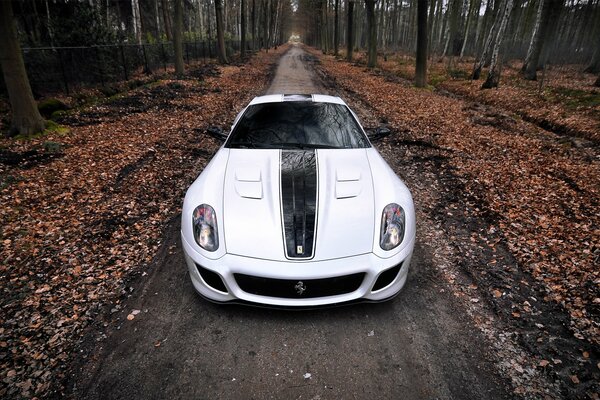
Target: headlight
{"x": 204, "y": 225}
{"x": 392, "y": 226}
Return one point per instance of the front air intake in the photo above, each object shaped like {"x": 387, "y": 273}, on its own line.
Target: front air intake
{"x": 211, "y": 278}
{"x": 386, "y": 277}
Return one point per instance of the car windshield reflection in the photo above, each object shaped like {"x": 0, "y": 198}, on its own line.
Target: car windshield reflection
{"x": 297, "y": 125}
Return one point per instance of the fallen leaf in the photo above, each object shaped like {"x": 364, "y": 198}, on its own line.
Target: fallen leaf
{"x": 574, "y": 379}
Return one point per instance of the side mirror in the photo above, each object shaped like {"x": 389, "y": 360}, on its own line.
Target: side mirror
{"x": 217, "y": 132}
{"x": 375, "y": 134}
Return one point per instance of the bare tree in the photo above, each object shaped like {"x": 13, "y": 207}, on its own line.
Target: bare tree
{"x": 336, "y": 28}
{"x": 372, "y": 34}
{"x": 177, "y": 38}
{"x": 350, "y": 30}
{"x": 167, "y": 19}
{"x": 243, "y": 28}
{"x": 421, "y": 68}
{"x": 26, "y": 118}
{"x": 550, "y": 11}
{"x": 494, "y": 74}
{"x": 221, "y": 51}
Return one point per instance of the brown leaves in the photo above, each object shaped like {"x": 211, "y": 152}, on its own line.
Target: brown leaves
{"x": 75, "y": 227}
{"x": 543, "y": 193}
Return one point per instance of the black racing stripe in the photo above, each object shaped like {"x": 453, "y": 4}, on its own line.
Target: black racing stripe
{"x": 299, "y": 201}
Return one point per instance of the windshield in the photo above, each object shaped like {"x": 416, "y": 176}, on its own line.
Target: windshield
{"x": 297, "y": 125}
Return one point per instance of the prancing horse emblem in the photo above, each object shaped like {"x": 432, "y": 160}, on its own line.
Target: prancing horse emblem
{"x": 300, "y": 288}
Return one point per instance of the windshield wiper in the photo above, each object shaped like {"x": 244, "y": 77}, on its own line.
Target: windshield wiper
{"x": 250, "y": 145}
{"x": 306, "y": 146}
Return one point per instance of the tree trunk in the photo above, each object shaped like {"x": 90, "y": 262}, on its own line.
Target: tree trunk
{"x": 430, "y": 26}
{"x": 26, "y": 118}
{"x": 453, "y": 34}
{"x": 265, "y": 35}
{"x": 494, "y": 75}
{"x": 167, "y": 19}
{"x": 549, "y": 13}
{"x": 243, "y": 28}
{"x": 486, "y": 49}
{"x": 372, "y": 34}
{"x": 253, "y": 16}
{"x": 156, "y": 15}
{"x": 137, "y": 21}
{"x": 177, "y": 38}
{"x": 472, "y": 7}
{"x": 336, "y": 28}
{"x": 594, "y": 65}
{"x": 221, "y": 51}
{"x": 534, "y": 35}
{"x": 350, "y": 31}
{"x": 483, "y": 27}
{"x": 421, "y": 69}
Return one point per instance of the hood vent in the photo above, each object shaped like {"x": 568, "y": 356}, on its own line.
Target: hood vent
{"x": 248, "y": 182}
{"x": 347, "y": 183}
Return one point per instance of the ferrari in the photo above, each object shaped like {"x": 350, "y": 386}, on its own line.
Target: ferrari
{"x": 298, "y": 209}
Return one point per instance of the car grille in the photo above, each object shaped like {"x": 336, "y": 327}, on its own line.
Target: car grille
{"x": 299, "y": 288}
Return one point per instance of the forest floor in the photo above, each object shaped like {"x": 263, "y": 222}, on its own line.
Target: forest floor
{"x": 503, "y": 299}
{"x": 535, "y": 192}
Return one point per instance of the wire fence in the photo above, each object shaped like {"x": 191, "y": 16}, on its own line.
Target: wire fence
{"x": 64, "y": 69}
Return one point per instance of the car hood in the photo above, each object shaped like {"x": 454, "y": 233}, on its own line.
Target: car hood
{"x": 298, "y": 204}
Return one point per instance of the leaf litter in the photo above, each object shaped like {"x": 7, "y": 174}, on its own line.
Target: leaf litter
{"x": 77, "y": 227}
{"x": 519, "y": 206}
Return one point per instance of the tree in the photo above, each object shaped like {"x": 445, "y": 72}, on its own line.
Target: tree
{"x": 350, "y": 31}
{"x": 26, "y": 118}
{"x": 253, "y": 17}
{"x": 421, "y": 69}
{"x": 167, "y": 19}
{"x": 453, "y": 28}
{"x": 243, "y": 28}
{"x": 494, "y": 74}
{"x": 371, "y": 34}
{"x": 550, "y": 11}
{"x": 594, "y": 65}
{"x": 221, "y": 51}
{"x": 473, "y": 9}
{"x": 336, "y": 29}
{"x": 177, "y": 38}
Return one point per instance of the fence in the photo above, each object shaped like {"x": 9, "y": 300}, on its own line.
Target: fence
{"x": 66, "y": 68}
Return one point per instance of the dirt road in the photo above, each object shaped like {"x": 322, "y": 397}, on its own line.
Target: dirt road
{"x": 421, "y": 345}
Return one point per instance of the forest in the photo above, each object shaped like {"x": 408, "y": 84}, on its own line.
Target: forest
{"x": 74, "y": 40}
{"x": 110, "y": 109}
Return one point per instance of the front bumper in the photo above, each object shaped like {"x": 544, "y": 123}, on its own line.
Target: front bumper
{"x": 228, "y": 265}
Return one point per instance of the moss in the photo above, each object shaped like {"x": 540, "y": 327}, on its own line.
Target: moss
{"x": 458, "y": 74}
{"x": 577, "y": 98}
{"x": 49, "y": 106}
{"x": 57, "y": 115}
{"x": 53, "y": 127}
{"x": 436, "y": 79}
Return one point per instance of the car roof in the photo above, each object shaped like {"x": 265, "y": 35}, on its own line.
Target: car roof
{"x": 277, "y": 98}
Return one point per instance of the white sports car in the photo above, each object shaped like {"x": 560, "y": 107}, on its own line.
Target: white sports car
{"x": 297, "y": 209}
